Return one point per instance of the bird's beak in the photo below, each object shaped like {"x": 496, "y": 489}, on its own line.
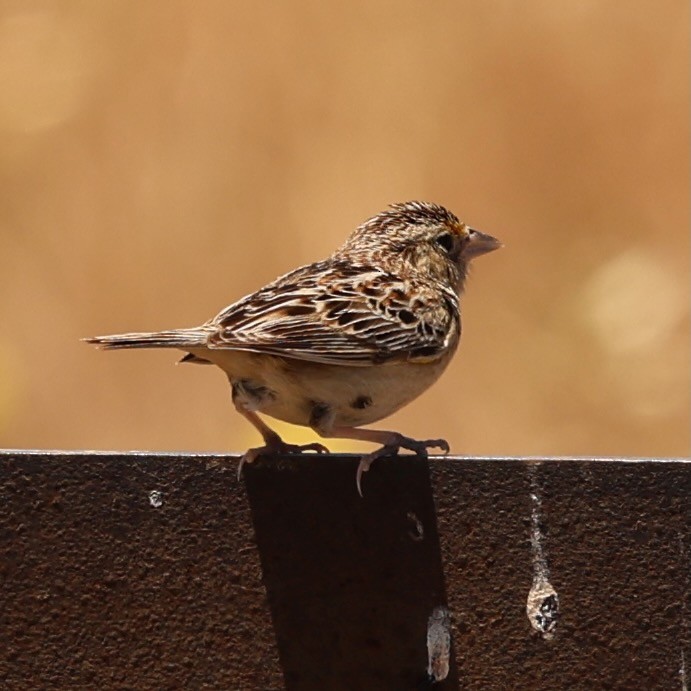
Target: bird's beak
{"x": 479, "y": 243}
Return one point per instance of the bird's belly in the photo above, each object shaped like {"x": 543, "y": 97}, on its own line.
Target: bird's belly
{"x": 291, "y": 390}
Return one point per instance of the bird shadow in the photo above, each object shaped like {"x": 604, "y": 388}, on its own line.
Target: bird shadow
{"x": 351, "y": 582}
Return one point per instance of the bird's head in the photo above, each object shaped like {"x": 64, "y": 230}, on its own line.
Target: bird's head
{"x": 420, "y": 237}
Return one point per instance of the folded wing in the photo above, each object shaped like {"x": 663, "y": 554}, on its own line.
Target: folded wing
{"x": 341, "y": 315}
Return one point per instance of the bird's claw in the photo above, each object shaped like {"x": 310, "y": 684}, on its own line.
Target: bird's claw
{"x": 363, "y": 467}
{"x": 401, "y": 442}
{"x": 278, "y": 449}
{"x": 440, "y": 444}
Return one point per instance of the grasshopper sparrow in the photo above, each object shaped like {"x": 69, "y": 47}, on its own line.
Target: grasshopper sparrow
{"x": 343, "y": 342}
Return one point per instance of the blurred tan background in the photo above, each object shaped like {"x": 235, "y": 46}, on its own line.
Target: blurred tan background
{"x": 160, "y": 159}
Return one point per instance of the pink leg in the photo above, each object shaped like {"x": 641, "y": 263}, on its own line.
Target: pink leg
{"x": 391, "y": 443}
{"x": 273, "y": 444}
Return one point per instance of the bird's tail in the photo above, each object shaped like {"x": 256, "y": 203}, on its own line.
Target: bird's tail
{"x": 175, "y": 338}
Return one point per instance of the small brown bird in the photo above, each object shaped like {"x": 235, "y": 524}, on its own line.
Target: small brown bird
{"x": 346, "y": 341}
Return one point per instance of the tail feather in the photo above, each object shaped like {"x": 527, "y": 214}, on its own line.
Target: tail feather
{"x": 176, "y": 338}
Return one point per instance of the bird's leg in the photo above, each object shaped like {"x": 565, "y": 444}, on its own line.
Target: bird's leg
{"x": 273, "y": 444}
{"x": 391, "y": 443}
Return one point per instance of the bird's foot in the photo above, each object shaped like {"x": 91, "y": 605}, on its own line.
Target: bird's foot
{"x": 393, "y": 446}
{"x": 277, "y": 447}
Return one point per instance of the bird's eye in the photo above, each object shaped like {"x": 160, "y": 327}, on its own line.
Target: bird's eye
{"x": 445, "y": 241}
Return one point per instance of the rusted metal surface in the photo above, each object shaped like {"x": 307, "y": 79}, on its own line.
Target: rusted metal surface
{"x": 152, "y": 571}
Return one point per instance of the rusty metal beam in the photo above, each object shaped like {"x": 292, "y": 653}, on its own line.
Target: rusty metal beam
{"x": 133, "y": 570}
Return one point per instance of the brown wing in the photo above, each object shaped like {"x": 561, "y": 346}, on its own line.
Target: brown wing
{"x": 342, "y": 315}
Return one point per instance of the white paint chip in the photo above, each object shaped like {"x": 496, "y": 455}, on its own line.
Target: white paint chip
{"x": 542, "y": 607}
{"x": 438, "y": 643}
{"x": 156, "y": 498}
